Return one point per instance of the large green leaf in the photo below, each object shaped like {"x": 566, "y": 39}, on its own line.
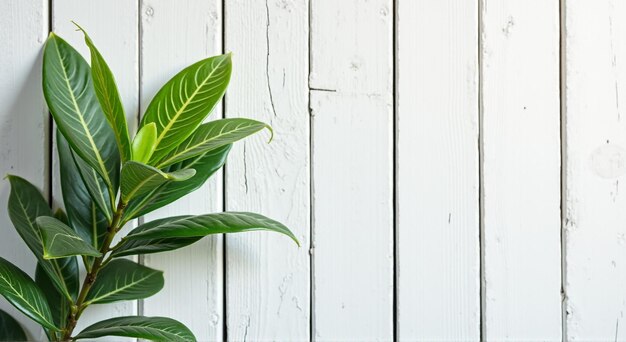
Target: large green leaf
{"x": 69, "y": 92}
{"x": 123, "y": 279}
{"x": 151, "y": 328}
{"x": 203, "y": 225}
{"x": 61, "y": 241}
{"x": 109, "y": 97}
{"x": 26, "y": 204}
{"x": 10, "y": 329}
{"x": 148, "y": 246}
{"x": 83, "y": 213}
{"x": 144, "y": 143}
{"x": 21, "y": 291}
{"x": 185, "y": 101}
{"x": 213, "y": 135}
{"x": 138, "y": 179}
{"x": 205, "y": 165}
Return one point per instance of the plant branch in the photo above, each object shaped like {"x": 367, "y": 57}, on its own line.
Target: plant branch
{"x": 91, "y": 276}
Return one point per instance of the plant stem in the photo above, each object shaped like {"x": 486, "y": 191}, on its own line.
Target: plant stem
{"x": 91, "y": 276}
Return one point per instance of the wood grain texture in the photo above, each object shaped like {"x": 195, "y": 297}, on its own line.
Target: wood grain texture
{"x": 438, "y": 266}
{"x": 352, "y": 123}
{"x": 595, "y": 126}
{"x": 268, "y": 277}
{"x": 118, "y": 45}
{"x": 521, "y": 170}
{"x": 173, "y": 36}
{"x": 23, "y": 123}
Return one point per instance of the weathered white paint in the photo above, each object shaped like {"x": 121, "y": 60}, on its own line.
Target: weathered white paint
{"x": 438, "y": 266}
{"x": 268, "y": 277}
{"x": 352, "y": 158}
{"x": 595, "y": 142}
{"x": 521, "y": 170}
{"x": 173, "y": 36}
{"x": 24, "y": 122}
{"x": 118, "y": 44}
{"x": 340, "y": 284}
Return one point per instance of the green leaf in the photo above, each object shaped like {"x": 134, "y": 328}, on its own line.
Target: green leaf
{"x": 213, "y": 135}
{"x": 59, "y": 305}
{"x": 203, "y": 225}
{"x": 149, "y": 246}
{"x": 205, "y": 165}
{"x": 83, "y": 213}
{"x": 109, "y": 97}
{"x": 69, "y": 92}
{"x": 151, "y": 328}
{"x": 185, "y": 101}
{"x": 10, "y": 329}
{"x": 138, "y": 179}
{"x": 144, "y": 143}
{"x": 123, "y": 279}
{"x": 21, "y": 291}
{"x": 61, "y": 241}
{"x": 26, "y": 204}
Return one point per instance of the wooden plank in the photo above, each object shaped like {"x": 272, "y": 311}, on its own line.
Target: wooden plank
{"x": 438, "y": 182}
{"x": 595, "y": 219}
{"x": 268, "y": 277}
{"x": 521, "y": 170}
{"x": 352, "y": 137}
{"x": 118, "y": 45}
{"x": 23, "y": 122}
{"x": 173, "y": 36}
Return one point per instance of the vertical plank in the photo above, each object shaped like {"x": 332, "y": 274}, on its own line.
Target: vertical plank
{"x": 352, "y": 123}
{"x": 173, "y": 36}
{"x": 521, "y": 170}
{"x": 595, "y": 219}
{"x": 268, "y": 277}
{"x": 23, "y": 122}
{"x": 438, "y": 182}
{"x": 118, "y": 45}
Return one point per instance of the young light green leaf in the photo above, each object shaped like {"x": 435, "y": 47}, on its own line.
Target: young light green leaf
{"x": 213, "y": 135}
{"x": 144, "y": 143}
{"x": 151, "y": 328}
{"x": 123, "y": 279}
{"x": 61, "y": 241}
{"x": 138, "y": 179}
{"x": 21, "y": 291}
{"x": 205, "y": 165}
{"x": 69, "y": 92}
{"x": 26, "y": 204}
{"x": 185, "y": 101}
{"x": 86, "y": 219}
{"x": 203, "y": 225}
{"x": 109, "y": 97}
{"x": 10, "y": 329}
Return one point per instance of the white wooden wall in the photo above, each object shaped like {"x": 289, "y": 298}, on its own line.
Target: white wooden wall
{"x": 452, "y": 168}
